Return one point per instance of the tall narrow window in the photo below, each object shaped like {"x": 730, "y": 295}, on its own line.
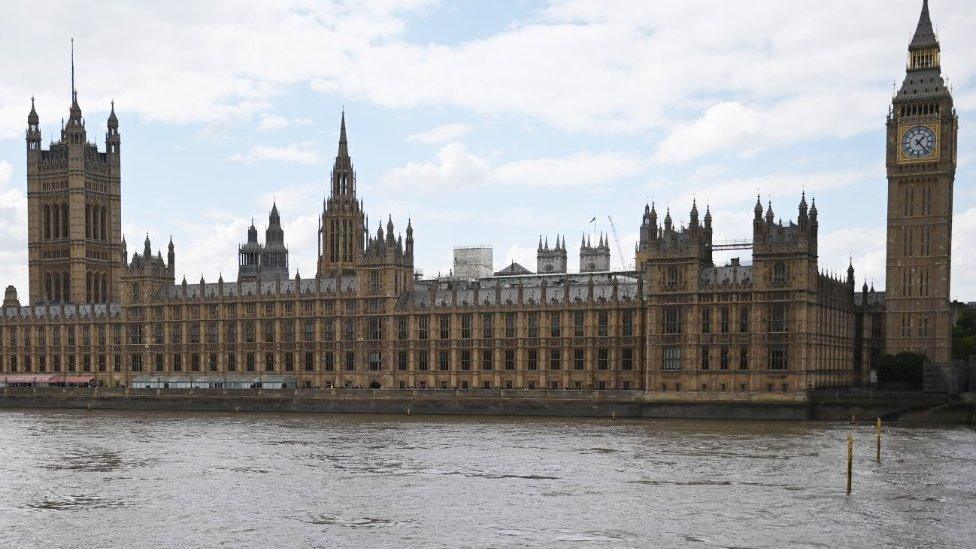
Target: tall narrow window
{"x": 672, "y": 320}
{"x": 672, "y": 358}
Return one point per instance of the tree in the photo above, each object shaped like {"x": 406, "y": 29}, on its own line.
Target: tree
{"x": 964, "y": 334}
{"x": 902, "y": 368}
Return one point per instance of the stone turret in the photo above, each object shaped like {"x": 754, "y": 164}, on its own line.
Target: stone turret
{"x": 551, "y": 260}
{"x": 10, "y": 297}
{"x": 268, "y": 261}
{"x": 145, "y": 275}
{"x": 595, "y": 258}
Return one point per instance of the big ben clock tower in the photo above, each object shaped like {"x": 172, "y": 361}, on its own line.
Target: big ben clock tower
{"x": 921, "y": 161}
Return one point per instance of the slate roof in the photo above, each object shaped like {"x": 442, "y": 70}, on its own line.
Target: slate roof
{"x": 559, "y": 288}
{"x": 513, "y": 270}
{"x": 924, "y": 33}
{"x": 264, "y": 287}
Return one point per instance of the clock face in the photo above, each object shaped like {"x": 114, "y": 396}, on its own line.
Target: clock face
{"x": 918, "y": 142}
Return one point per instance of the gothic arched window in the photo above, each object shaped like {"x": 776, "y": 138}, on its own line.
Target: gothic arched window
{"x": 47, "y": 222}
{"x": 64, "y": 221}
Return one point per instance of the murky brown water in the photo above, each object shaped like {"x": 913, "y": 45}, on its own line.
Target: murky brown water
{"x": 71, "y": 479}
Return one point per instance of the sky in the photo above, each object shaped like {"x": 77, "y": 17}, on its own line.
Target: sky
{"x": 483, "y": 122}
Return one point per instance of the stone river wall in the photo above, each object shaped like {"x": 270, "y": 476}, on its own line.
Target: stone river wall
{"x": 836, "y": 405}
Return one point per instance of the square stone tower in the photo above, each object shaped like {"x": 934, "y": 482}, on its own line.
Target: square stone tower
{"x": 75, "y": 250}
{"x": 921, "y": 160}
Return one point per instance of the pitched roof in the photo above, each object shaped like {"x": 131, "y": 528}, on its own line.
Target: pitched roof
{"x": 924, "y": 34}
{"x": 513, "y": 269}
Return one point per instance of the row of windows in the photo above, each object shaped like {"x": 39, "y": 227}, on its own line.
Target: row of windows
{"x": 286, "y": 330}
{"x": 536, "y": 325}
{"x": 770, "y": 387}
{"x": 71, "y": 334}
{"x": 725, "y": 358}
{"x": 673, "y": 319}
{"x": 914, "y": 327}
{"x": 674, "y": 280}
{"x": 54, "y": 363}
{"x": 270, "y": 308}
{"x": 533, "y": 359}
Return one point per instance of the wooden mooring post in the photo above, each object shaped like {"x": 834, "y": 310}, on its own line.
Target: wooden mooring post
{"x": 877, "y": 434}
{"x": 850, "y": 461}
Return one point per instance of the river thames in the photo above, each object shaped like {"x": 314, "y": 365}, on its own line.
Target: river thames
{"x": 194, "y": 479}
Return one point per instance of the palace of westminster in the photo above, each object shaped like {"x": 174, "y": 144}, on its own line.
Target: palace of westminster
{"x": 678, "y": 323}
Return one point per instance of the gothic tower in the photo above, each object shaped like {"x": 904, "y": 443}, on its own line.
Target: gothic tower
{"x": 594, "y": 258}
{"x": 274, "y": 256}
{"x": 74, "y": 211}
{"x": 551, "y": 260}
{"x": 921, "y": 161}
{"x": 342, "y": 230}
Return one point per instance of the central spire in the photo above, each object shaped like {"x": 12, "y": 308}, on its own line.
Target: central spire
{"x": 343, "y": 143}
{"x": 74, "y": 113}
{"x": 343, "y": 175}
{"x": 74, "y": 92}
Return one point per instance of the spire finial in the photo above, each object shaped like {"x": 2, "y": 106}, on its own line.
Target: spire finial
{"x": 74, "y": 94}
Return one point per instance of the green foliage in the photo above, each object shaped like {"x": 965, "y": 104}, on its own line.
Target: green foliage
{"x": 903, "y": 368}
{"x": 964, "y": 334}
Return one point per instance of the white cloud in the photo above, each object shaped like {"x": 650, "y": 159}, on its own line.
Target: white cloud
{"x": 865, "y": 246}
{"x": 440, "y": 134}
{"x": 788, "y": 185}
{"x": 725, "y": 126}
{"x": 304, "y": 152}
{"x": 582, "y": 168}
{"x": 964, "y": 255}
{"x": 293, "y": 198}
{"x": 274, "y": 122}
{"x": 586, "y": 66}
{"x": 521, "y": 254}
{"x": 207, "y": 63}
{"x": 13, "y": 233}
{"x": 454, "y": 167}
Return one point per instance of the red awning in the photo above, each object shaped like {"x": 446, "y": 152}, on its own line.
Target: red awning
{"x": 76, "y": 380}
{"x": 28, "y": 379}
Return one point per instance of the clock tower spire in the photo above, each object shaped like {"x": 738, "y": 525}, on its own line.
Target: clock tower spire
{"x": 921, "y": 163}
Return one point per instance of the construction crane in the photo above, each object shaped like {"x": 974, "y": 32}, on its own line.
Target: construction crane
{"x": 620, "y": 251}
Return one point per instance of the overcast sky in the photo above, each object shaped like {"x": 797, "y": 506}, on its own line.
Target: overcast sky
{"x": 486, "y": 122}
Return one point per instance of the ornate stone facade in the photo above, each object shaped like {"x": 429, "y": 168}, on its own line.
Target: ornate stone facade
{"x": 678, "y": 323}
{"x": 74, "y": 204}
